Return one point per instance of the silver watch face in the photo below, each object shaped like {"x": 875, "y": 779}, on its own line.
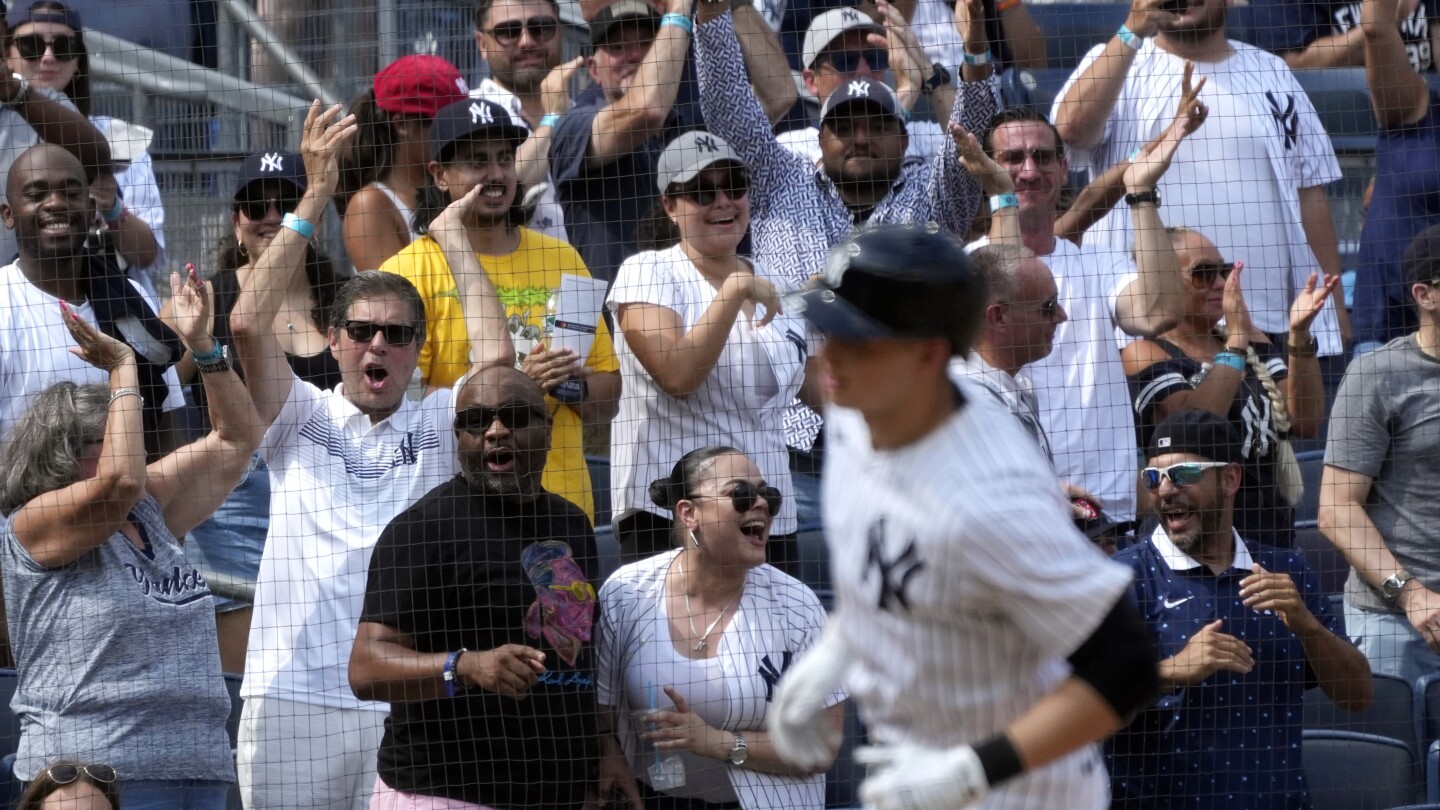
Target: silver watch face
{"x": 740, "y": 752}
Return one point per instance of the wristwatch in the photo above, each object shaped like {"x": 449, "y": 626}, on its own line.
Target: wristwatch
{"x": 1151, "y": 196}
{"x": 937, "y": 80}
{"x": 740, "y": 752}
{"x": 1391, "y": 587}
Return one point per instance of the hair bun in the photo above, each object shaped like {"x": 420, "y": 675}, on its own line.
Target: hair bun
{"x": 663, "y": 493}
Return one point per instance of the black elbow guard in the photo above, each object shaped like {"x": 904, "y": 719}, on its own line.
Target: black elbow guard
{"x": 1119, "y": 661}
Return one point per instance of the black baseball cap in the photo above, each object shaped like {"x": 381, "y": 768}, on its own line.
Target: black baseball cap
{"x": 896, "y": 281}
{"x": 470, "y": 117}
{"x": 862, "y": 91}
{"x": 621, "y": 12}
{"x": 286, "y": 167}
{"x": 1197, "y": 433}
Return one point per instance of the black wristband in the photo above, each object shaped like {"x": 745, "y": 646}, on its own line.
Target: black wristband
{"x": 938, "y": 78}
{"x": 999, "y": 759}
{"x": 1151, "y": 196}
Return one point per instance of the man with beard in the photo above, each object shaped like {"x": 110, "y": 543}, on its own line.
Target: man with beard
{"x": 1243, "y": 631}
{"x": 520, "y": 41}
{"x": 473, "y": 145}
{"x": 49, "y": 210}
{"x": 1254, "y": 181}
{"x": 477, "y": 621}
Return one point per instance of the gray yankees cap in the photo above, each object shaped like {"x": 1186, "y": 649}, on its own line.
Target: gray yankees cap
{"x": 827, "y": 27}
{"x": 690, "y": 154}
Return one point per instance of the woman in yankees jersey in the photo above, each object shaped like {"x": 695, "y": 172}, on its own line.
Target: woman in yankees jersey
{"x": 987, "y": 642}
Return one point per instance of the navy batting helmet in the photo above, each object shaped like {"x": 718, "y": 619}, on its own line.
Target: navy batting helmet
{"x": 897, "y": 281}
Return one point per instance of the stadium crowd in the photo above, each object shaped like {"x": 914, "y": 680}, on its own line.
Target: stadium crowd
{"x": 389, "y": 521}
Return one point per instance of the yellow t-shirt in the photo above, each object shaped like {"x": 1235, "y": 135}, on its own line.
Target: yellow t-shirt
{"x": 524, "y": 280}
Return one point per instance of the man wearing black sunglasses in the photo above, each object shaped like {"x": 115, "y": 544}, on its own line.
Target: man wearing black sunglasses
{"x": 478, "y": 620}
{"x": 1242, "y": 629}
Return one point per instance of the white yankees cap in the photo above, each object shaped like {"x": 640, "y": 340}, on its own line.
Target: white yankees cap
{"x": 825, "y": 28}
{"x": 690, "y": 154}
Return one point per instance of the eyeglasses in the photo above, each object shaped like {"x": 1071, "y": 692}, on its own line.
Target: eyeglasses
{"x": 67, "y": 47}
{"x": 1203, "y": 274}
{"x": 735, "y": 186}
{"x": 744, "y": 495}
{"x": 256, "y": 209}
{"x": 478, "y": 419}
{"x": 1045, "y": 157}
{"x": 542, "y": 29}
{"x": 63, "y": 773}
{"x": 848, "y": 61}
{"x": 396, "y": 334}
{"x": 1185, "y": 474}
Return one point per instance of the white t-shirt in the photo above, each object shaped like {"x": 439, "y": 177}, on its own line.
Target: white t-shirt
{"x": 141, "y": 193}
{"x": 742, "y": 403}
{"x": 1237, "y": 179}
{"x": 548, "y": 218}
{"x": 961, "y": 586}
{"x": 336, "y": 483}
{"x": 1083, "y": 396}
{"x": 927, "y": 138}
{"x": 934, "y": 27}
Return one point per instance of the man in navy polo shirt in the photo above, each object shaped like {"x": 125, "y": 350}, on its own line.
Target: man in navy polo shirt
{"x": 1243, "y": 630}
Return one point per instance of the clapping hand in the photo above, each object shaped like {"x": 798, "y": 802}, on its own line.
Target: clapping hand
{"x": 94, "y": 347}
{"x": 324, "y": 136}
{"x": 191, "y": 308}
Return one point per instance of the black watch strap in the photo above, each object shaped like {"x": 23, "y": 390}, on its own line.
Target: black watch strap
{"x": 1151, "y": 196}
{"x": 938, "y": 79}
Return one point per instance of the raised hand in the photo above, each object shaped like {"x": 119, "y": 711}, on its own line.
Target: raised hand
{"x": 1237, "y": 314}
{"x": 324, "y": 137}
{"x": 907, "y": 57}
{"x": 1310, "y": 302}
{"x": 1146, "y": 16}
{"x": 970, "y": 22}
{"x": 1153, "y": 159}
{"x": 94, "y": 347}
{"x": 191, "y": 308}
{"x": 992, "y": 178}
{"x": 555, "y": 89}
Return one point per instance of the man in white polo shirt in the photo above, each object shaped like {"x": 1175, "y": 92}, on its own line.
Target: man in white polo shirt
{"x": 342, "y": 464}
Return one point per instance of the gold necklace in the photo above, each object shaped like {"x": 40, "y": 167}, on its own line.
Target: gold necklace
{"x": 690, "y": 617}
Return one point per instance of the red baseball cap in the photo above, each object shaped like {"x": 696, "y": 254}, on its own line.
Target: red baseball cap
{"x": 419, "y": 85}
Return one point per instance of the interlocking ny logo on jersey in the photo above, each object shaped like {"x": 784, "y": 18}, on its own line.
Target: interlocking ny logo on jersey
{"x": 896, "y": 572}
{"x": 480, "y": 114}
{"x": 771, "y": 675}
{"x": 860, "y": 88}
{"x": 272, "y": 162}
{"x": 1287, "y": 119}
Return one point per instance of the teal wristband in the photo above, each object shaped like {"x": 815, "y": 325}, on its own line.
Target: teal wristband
{"x": 998, "y": 201}
{"x": 216, "y": 354}
{"x": 1231, "y": 359}
{"x": 977, "y": 59}
{"x": 1130, "y": 38}
{"x": 549, "y": 120}
{"x": 302, "y": 226}
{"x": 679, "y": 21}
{"x": 116, "y": 211}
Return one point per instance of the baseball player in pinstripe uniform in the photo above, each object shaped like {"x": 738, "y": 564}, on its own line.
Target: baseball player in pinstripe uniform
{"x": 988, "y": 643}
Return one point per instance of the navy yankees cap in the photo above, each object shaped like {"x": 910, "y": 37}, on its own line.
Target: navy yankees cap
{"x": 896, "y": 281}
{"x": 1196, "y": 433}
{"x": 690, "y": 154}
{"x": 621, "y": 12}
{"x": 859, "y": 91}
{"x": 24, "y": 11}
{"x": 473, "y": 116}
{"x": 284, "y": 166}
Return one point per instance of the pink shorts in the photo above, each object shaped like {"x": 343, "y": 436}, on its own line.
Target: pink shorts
{"x": 388, "y": 798}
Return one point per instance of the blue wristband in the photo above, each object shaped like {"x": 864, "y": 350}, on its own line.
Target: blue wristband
{"x": 215, "y": 355}
{"x": 679, "y": 21}
{"x": 1130, "y": 38}
{"x": 1231, "y": 359}
{"x": 977, "y": 59}
{"x": 298, "y": 224}
{"x": 998, "y": 201}
{"x": 549, "y": 120}
{"x": 116, "y": 211}
{"x": 449, "y": 671}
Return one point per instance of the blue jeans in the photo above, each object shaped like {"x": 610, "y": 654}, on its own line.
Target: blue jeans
{"x": 227, "y": 547}
{"x": 174, "y": 794}
{"x": 1390, "y": 643}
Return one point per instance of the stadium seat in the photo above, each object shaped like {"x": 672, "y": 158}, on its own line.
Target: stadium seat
{"x": 815, "y": 564}
{"x": 1432, "y": 773}
{"x": 1342, "y": 100}
{"x": 609, "y": 550}
{"x": 1427, "y": 691}
{"x": 1351, "y": 771}
{"x": 1072, "y": 29}
{"x": 1035, "y": 89}
{"x": 9, "y": 785}
{"x": 1312, "y": 466}
{"x": 232, "y": 723}
{"x": 9, "y": 723}
{"x": 1324, "y": 559}
{"x": 1391, "y": 714}
{"x": 600, "y": 488}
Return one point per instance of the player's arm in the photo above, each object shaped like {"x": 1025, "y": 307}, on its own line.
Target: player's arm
{"x": 384, "y": 665}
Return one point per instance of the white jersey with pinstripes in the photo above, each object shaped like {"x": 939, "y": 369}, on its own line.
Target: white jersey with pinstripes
{"x": 961, "y": 586}
{"x": 337, "y": 481}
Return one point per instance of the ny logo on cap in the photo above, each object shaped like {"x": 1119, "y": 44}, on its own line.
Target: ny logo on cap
{"x": 705, "y": 143}
{"x": 849, "y": 15}
{"x": 272, "y": 162}
{"x": 480, "y": 114}
{"x": 860, "y": 88}
{"x": 1163, "y": 441}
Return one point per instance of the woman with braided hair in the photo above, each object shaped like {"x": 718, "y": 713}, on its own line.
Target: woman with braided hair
{"x": 1269, "y": 392}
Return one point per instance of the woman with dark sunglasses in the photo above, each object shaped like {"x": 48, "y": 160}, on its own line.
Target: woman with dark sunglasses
{"x": 69, "y": 785}
{"x": 1235, "y": 371}
{"x": 45, "y": 46}
{"x": 707, "y": 355}
{"x": 692, "y": 642}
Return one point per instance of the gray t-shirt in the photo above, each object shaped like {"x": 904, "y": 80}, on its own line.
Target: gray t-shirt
{"x": 1386, "y": 425}
{"x": 117, "y": 658}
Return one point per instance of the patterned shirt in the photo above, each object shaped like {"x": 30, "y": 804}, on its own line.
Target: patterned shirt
{"x": 796, "y": 213}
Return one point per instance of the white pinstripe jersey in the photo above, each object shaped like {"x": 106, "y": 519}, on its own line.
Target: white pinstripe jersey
{"x": 962, "y": 585}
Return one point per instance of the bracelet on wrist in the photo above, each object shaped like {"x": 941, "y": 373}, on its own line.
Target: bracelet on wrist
{"x": 1130, "y": 38}
{"x": 1229, "y": 359}
{"x": 120, "y": 393}
{"x": 1304, "y": 350}
{"x": 679, "y": 21}
{"x": 1007, "y": 200}
{"x": 1151, "y": 196}
{"x": 116, "y": 211}
{"x": 550, "y": 120}
{"x": 977, "y": 59}
{"x": 448, "y": 672}
{"x": 299, "y": 224}
{"x": 217, "y": 352}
